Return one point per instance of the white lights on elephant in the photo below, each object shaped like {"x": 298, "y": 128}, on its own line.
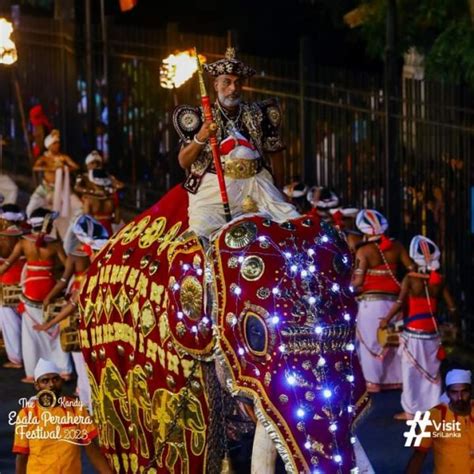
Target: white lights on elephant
{"x": 275, "y": 319}
{"x": 327, "y": 393}
{"x": 176, "y": 287}
{"x": 338, "y": 458}
{"x": 321, "y": 362}
{"x": 288, "y": 254}
{"x": 304, "y": 274}
{"x": 312, "y": 300}
{"x": 294, "y": 268}
{"x": 318, "y": 330}
{"x": 333, "y": 427}
{"x": 350, "y": 378}
{"x": 324, "y": 239}
{"x": 347, "y": 317}
{"x": 275, "y": 291}
{"x": 186, "y": 267}
{"x": 312, "y": 268}
{"x": 241, "y": 351}
{"x": 335, "y": 287}
{"x": 291, "y": 379}
{"x": 237, "y": 290}
{"x": 300, "y": 413}
{"x": 311, "y": 252}
{"x": 350, "y": 347}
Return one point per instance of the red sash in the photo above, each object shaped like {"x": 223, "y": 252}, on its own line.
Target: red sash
{"x": 39, "y": 280}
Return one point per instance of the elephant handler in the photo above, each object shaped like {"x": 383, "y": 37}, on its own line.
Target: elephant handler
{"x": 249, "y": 144}
{"x": 51, "y": 428}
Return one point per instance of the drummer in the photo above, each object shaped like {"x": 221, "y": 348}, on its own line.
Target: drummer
{"x": 92, "y": 237}
{"x": 11, "y": 229}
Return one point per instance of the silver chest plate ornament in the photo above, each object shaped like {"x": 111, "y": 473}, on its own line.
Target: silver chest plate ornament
{"x": 252, "y": 268}
{"x": 241, "y": 235}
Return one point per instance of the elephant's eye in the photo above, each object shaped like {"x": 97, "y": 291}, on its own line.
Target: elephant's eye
{"x": 256, "y": 335}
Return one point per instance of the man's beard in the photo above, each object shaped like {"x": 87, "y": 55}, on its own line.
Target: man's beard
{"x": 461, "y": 406}
{"x": 229, "y": 101}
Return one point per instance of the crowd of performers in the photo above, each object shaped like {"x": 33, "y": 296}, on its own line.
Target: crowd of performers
{"x": 62, "y": 226}
{"x": 398, "y": 336}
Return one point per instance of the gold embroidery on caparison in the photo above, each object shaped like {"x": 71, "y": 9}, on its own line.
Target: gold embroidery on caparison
{"x": 152, "y": 233}
{"x": 133, "y": 232}
{"x": 112, "y": 388}
{"x": 164, "y": 408}
{"x": 139, "y": 400}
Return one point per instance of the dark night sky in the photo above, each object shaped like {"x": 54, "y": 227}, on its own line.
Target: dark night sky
{"x": 264, "y": 27}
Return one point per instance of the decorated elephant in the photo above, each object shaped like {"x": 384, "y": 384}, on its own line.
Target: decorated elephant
{"x": 264, "y": 311}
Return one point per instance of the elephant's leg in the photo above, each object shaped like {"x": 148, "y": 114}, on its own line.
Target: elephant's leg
{"x": 264, "y": 454}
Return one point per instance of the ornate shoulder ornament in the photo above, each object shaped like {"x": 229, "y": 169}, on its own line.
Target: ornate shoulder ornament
{"x": 187, "y": 121}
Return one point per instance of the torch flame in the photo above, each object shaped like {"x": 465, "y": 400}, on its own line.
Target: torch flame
{"x": 178, "y": 68}
{"x": 8, "y": 54}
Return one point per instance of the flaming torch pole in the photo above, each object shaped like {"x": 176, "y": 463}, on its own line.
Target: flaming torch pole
{"x": 206, "y": 106}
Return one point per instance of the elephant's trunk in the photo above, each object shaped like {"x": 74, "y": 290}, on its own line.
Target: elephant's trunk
{"x": 264, "y": 454}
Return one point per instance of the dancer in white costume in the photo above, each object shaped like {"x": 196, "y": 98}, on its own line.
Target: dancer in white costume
{"x": 375, "y": 278}
{"x": 54, "y": 192}
{"x": 40, "y": 251}
{"x": 420, "y": 346}
{"x": 11, "y": 218}
{"x": 92, "y": 237}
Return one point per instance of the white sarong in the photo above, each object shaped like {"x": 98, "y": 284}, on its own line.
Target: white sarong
{"x": 420, "y": 372}
{"x": 10, "y": 324}
{"x": 205, "y": 207}
{"x": 83, "y": 386}
{"x": 381, "y": 366}
{"x": 43, "y": 344}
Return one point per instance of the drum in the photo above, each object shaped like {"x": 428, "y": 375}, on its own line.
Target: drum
{"x": 54, "y": 309}
{"x": 69, "y": 333}
{"x": 388, "y": 337}
{"x": 10, "y": 295}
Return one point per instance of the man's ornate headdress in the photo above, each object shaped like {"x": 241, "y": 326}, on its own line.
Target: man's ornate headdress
{"x": 229, "y": 65}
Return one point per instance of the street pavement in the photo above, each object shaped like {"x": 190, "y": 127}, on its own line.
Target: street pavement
{"x": 380, "y": 435}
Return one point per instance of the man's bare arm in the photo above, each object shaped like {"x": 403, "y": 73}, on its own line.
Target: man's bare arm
{"x": 17, "y": 252}
{"x": 407, "y": 262}
{"x": 71, "y": 163}
{"x": 416, "y": 462}
{"x": 360, "y": 269}
{"x": 62, "y": 283}
{"x": 189, "y": 153}
{"x": 21, "y": 462}
{"x": 397, "y": 306}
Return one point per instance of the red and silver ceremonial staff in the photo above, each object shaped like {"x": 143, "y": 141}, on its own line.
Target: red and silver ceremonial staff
{"x": 208, "y": 117}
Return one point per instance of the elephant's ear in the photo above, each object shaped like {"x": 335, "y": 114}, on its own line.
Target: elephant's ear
{"x": 190, "y": 326}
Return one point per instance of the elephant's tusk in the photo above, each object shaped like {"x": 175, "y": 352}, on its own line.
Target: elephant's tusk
{"x": 264, "y": 453}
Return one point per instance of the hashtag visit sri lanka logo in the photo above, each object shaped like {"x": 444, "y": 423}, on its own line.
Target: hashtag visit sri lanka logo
{"x": 419, "y": 429}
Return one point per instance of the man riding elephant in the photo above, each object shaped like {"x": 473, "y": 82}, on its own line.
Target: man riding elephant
{"x": 250, "y": 147}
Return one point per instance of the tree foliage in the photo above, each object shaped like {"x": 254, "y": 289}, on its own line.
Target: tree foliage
{"x": 442, "y": 30}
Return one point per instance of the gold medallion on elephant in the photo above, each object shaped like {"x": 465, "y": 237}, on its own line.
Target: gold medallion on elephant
{"x": 241, "y": 235}
{"x": 190, "y": 296}
{"x": 252, "y": 268}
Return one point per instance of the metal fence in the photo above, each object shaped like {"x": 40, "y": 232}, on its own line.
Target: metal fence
{"x": 333, "y": 125}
